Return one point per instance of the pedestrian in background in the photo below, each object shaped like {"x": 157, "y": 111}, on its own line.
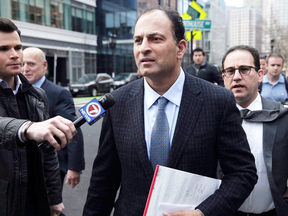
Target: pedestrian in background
{"x": 168, "y": 118}
{"x": 202, "y": 69}
{"x": 274, "y": 85}
{"x": 267, "y": 137}
{"x": 29, "y": 180}
{"x": 71, "y": 158}
{"x": 263, "y": 64}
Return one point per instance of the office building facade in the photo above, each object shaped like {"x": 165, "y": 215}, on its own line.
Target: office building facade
{"x": 81, "y": 36}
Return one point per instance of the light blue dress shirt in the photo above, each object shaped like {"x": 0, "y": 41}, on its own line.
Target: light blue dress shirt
{"x": 276, "y": 92}
{"x": 39, "y": 82}
{"x": 174, "y": 95}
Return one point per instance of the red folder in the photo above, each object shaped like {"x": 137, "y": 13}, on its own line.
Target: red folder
{"x": 151, "y": 190}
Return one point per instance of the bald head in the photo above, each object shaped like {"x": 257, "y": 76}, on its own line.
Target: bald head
{"x": 34, "y": 64}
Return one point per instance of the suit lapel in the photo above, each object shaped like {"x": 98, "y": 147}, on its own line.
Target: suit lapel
{"x": 137, "y": 114}
{"x": 269, "y": 132}
{"x": 190, "y": 107}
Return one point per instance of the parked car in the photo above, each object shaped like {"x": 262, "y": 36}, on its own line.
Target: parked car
{"x": 91, "y": 84}
{"x": 123, "y": 78}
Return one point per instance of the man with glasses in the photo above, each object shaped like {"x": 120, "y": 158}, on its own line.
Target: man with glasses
{"x": 267, "y": 137}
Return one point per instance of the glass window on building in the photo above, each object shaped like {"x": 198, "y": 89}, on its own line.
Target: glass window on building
{"x": 57, "y": 18}
{"x": 131, "y": 20}
{"x": 77, "y": 67}
{"x": 77, "y": 19}
{"x": 67, "y": 17}
{"x": 90, "y": 23}
{"x": 117, "y": 23}
{"x": 90, "y": 63}
{"x": 109, "y": 22}
{"x": 15, "y": 10}
{"x": 21, "y": 10}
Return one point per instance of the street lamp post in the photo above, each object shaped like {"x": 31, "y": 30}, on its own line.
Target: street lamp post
{"x": 112, "y": 43}
{"x": 272, "y": 45}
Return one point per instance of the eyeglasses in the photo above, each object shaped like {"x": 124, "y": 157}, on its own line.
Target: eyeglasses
{"x": 243, "y": 70}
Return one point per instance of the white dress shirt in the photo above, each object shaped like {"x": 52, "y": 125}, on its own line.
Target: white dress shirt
{"x": 260, "y": 200}
{"x": 174, "y": 95}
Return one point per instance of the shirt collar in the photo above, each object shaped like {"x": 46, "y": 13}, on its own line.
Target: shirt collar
{"x": 18, "y": 83}
{"x": 174, "y": 93}
{"x": 280, "y": 79}
{"x": 255, "y": 105}
{"x": 39, "y": 82}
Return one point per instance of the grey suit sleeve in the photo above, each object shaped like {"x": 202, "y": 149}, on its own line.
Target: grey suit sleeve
{"x": 237, "y": 163}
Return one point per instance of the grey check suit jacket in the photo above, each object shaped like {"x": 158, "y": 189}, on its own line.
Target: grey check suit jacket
{"x": 208, "y": 130}
{"x": 275, "y": 146}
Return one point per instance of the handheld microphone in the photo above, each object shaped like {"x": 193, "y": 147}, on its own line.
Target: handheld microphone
{"x": 91, "y": 112}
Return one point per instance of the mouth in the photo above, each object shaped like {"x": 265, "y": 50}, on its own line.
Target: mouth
{"x": 147, "y": 60}
{"x": 237, "y": 86}
{"x": 14, "y": 64}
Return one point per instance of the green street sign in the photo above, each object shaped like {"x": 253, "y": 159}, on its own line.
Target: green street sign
{"x": 193, "y": 13}
{"x": 197, "y": 24}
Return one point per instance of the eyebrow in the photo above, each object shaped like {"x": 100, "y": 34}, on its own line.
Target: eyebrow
{"x": 150, "y": 35}
{"x": 7, "y": 46}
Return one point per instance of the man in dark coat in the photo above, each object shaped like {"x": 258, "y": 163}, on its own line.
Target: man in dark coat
{"x": 29, "y": 180}
{"x": 202, "y": 69}
{"x": 71, "y": 158}
{"x": 204, "y": 128}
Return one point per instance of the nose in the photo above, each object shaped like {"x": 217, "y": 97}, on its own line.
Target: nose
{"x": 237, "y": 75}
{"x": 14, "y": 54}
{"x": 145, "y": 46}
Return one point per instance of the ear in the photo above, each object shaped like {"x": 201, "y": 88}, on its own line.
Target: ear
{"x": 260, "y": 75}
{"x": 45, "y": 65}
{"x": 181, "y": 48}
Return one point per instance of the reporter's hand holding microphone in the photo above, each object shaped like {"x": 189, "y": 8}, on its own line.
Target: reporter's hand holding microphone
{"x": 58, "y": 131}
{"x": 58, "y": 126}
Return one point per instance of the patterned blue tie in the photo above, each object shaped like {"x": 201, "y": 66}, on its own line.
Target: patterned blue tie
{"x": 160, "y": 144}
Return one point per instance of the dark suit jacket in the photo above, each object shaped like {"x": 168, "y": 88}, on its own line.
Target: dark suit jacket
{"x": 207, "y": 72}
{"x": 208, "y": 129}
{"x": 61, "y": 103}
{"x": 275, "y": 145}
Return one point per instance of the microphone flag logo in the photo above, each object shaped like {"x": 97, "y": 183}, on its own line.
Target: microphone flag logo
{"x": 92, "y": 111}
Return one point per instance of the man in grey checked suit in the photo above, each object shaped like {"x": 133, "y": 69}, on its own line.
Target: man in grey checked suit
{"x": 204, "y": 129}
{"x": 268, "y": 140}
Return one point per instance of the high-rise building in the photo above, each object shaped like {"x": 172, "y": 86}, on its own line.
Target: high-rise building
{"x": 245, "y": 27}
{"x": 255, "y": 3}
{"x": 214, "y": 39}
{"x": 275, "y": 25}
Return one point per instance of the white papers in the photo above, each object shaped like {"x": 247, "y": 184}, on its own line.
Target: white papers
{"x": 177, "y": 190}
